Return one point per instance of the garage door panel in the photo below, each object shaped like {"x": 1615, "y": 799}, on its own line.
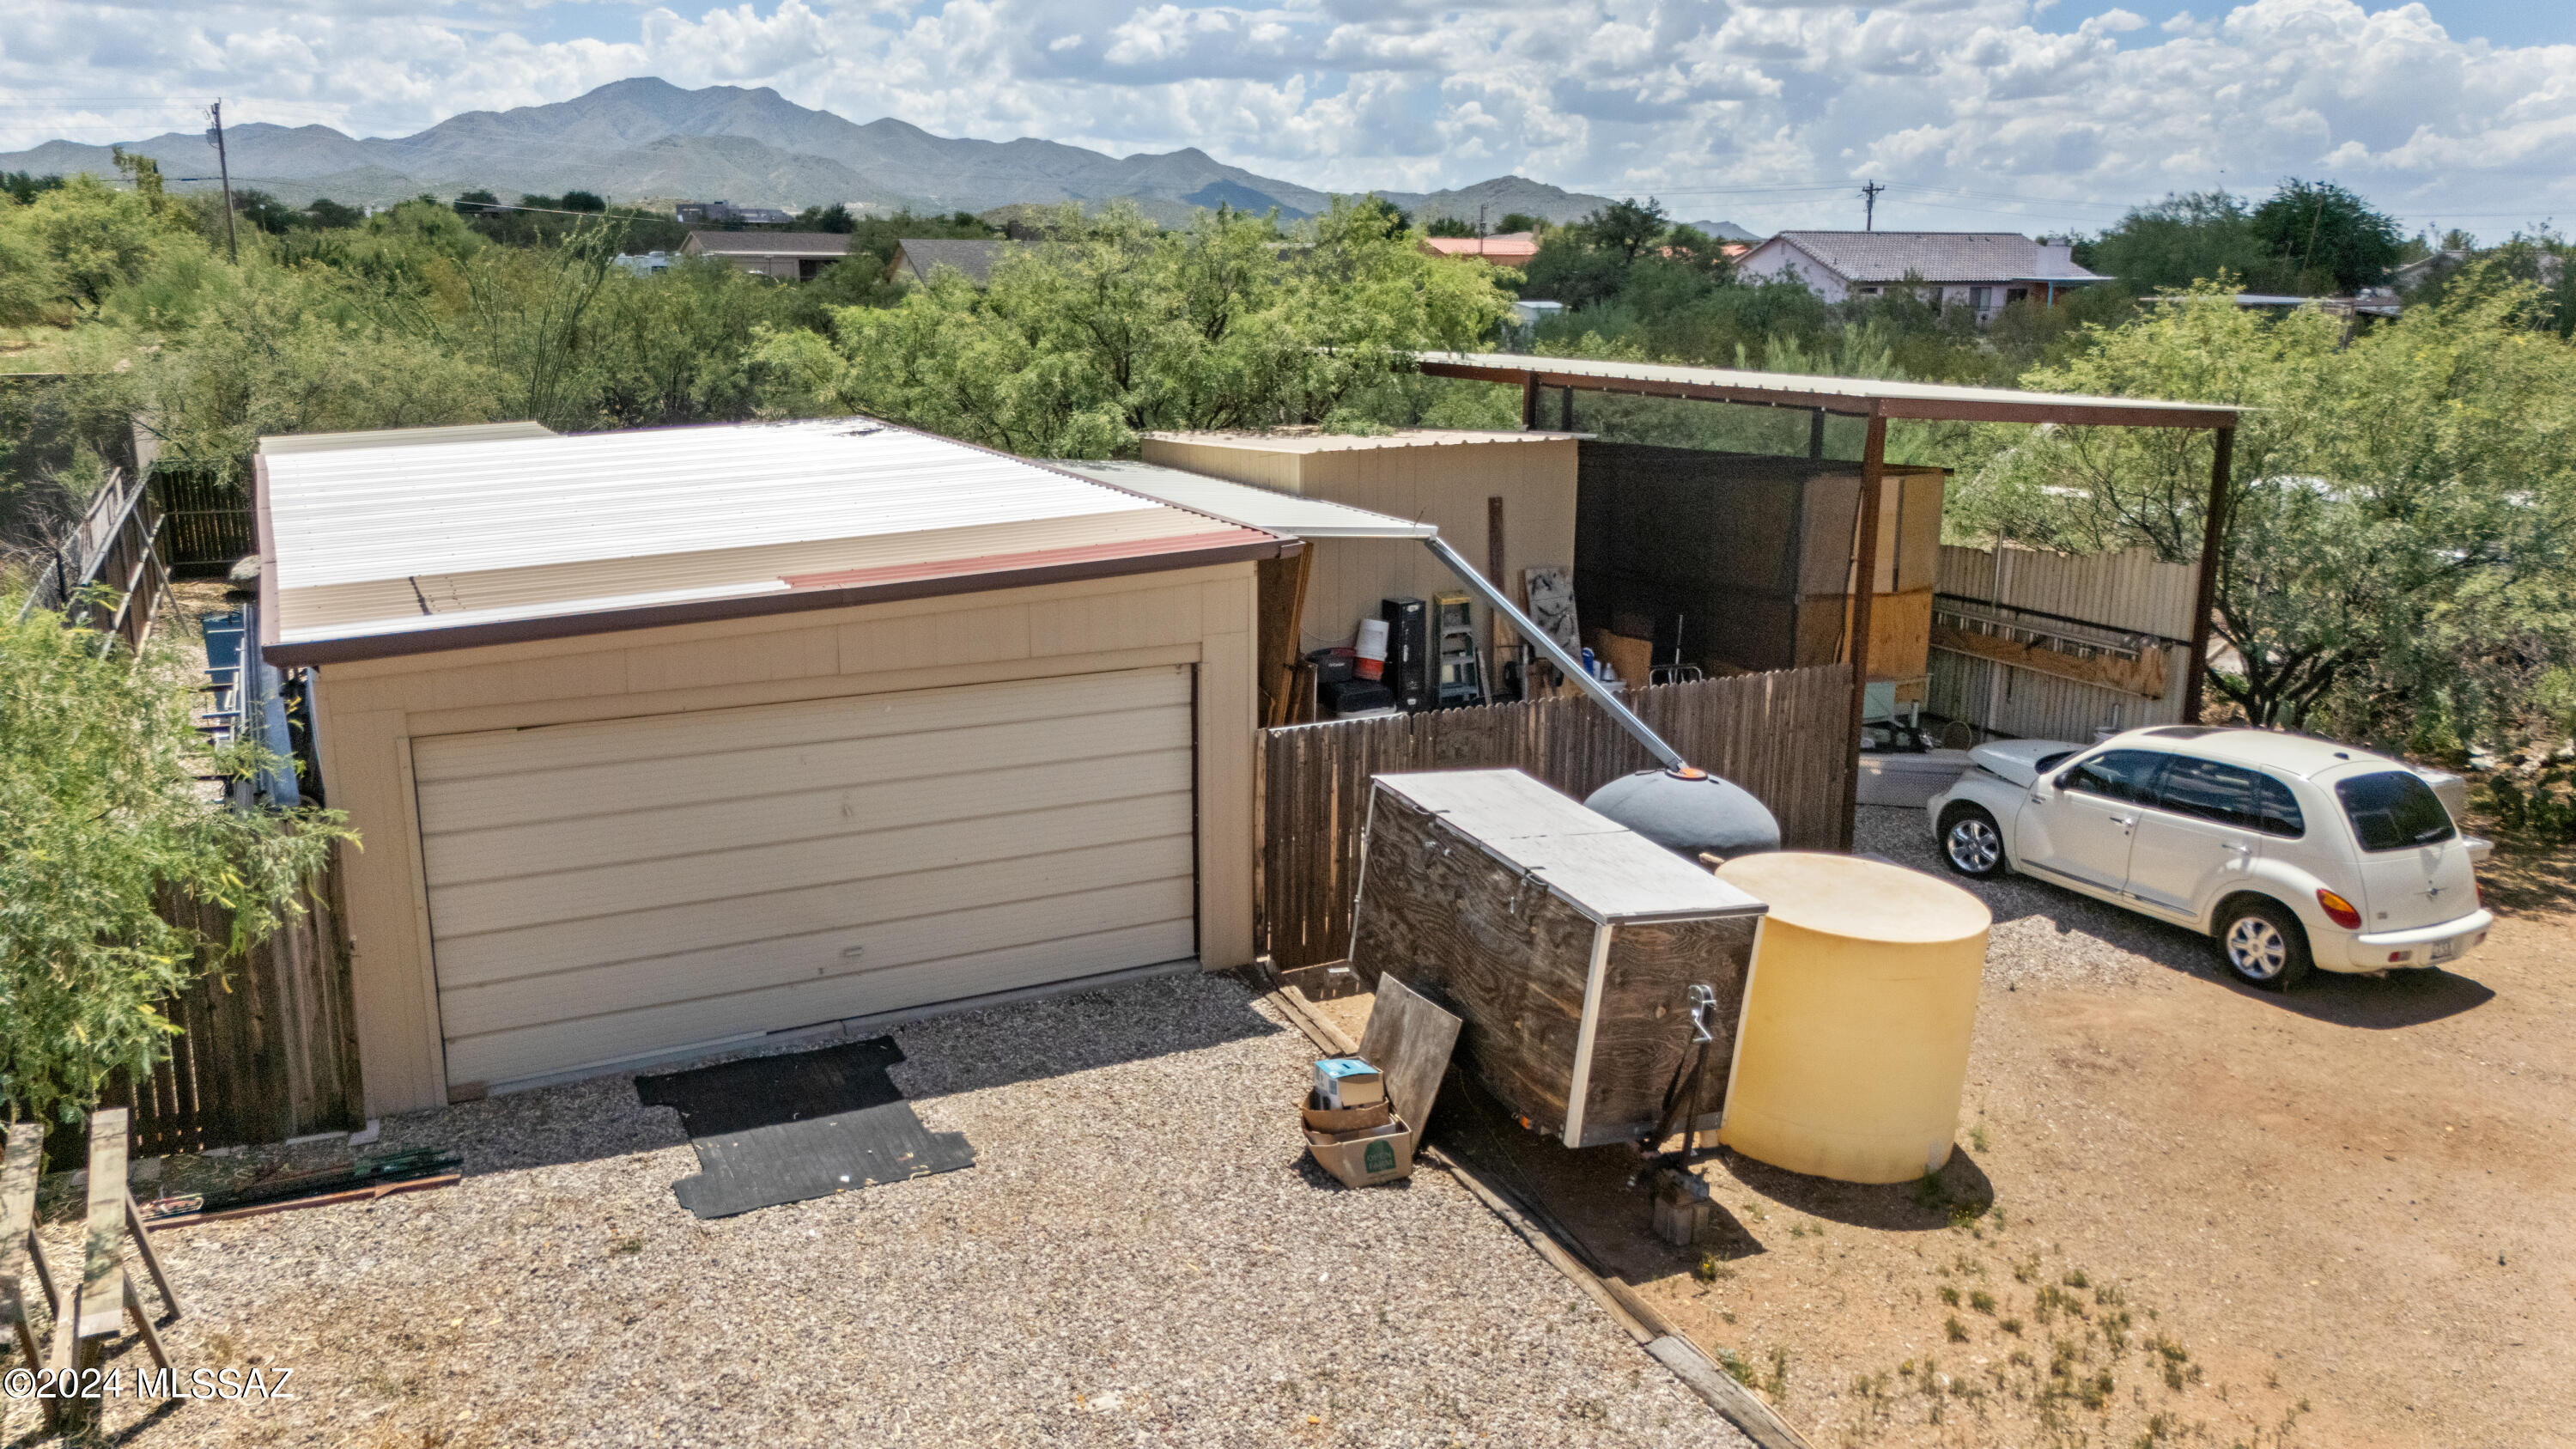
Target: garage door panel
{"x": 502, "y": 905}
{"x": 493, "y": 801}
{"x": 714, "y": 831}
{"x": 848, "y": 906}
{"x": 702, "y": 732}
{"x": 564, "y": 1046}
{"x": 604, "y": 890}
{"x": 891, "y": 946}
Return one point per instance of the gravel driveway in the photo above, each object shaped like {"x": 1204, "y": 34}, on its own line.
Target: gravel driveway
{"x": 1140, "y": 1255}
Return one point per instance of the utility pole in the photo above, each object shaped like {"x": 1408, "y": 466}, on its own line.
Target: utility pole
{"x": 1869, "y": 206}
{"x": 224, "y": 169}
{"x": 1480, "y": 220}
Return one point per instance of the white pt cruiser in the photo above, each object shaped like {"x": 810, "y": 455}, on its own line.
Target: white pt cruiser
{"x": 2291, "y": 851}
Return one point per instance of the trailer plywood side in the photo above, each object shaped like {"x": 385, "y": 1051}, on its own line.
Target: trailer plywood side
{"x": 1641, "y": 1036}
{"x": 1482, "y": 940}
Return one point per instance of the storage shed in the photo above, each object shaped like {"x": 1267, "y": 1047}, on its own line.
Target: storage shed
{"x": 1505, "y": 500}
{"x": 665, "y": 740}
{"x": 1744, "y": 561}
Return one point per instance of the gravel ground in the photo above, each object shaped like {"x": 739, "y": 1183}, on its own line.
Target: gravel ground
{"x": 2044, "y": 935}
{"x": 1141, "y": 1255}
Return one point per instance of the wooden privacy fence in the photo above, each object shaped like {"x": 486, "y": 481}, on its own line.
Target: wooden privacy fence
{"x": 267, "y": 1050}
{"x": 209, "y": 518}
{"x": 1785, "y": 736}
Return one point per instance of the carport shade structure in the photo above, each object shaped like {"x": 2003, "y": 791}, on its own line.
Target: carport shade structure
{"x": 1876, "y": 401}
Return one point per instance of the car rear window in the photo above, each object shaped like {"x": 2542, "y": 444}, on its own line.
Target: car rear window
{"x": 2280, "y": 809}
{"x": 2394, "y": 809}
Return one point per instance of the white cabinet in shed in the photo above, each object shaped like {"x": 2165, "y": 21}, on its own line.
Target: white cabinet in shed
{"x": 611, "y": 889}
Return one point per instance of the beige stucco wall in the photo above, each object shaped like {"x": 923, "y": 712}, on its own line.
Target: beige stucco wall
{"x": 367, "y": 714}
{"x": 1444, "y": 484}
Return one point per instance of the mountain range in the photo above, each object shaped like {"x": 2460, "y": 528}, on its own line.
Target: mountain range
{"x": 646, "y": 139}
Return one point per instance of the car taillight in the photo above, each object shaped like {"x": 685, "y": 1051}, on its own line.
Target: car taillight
{"x": 2339, "y": 910}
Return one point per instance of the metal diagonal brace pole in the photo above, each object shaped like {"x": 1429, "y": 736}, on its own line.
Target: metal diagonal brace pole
{"x": 1538, "y": 638}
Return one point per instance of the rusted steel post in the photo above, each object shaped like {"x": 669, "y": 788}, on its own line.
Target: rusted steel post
{"x": 1873, "y": 471}
{"x": 2213, "y": 547}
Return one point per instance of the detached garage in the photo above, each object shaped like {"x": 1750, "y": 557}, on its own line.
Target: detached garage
{"x": 662, "y": 741}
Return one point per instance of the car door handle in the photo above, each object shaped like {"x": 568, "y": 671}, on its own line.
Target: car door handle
{"x": 2124, "y": 820}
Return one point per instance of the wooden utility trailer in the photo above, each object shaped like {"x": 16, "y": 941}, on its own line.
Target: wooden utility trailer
{"x": 1568, "y": 943}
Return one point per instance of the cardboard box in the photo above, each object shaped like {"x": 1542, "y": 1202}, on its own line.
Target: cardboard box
{"x": 1412, "y": 1040}
{"x": 1349, "y": 1082}
{"x": 1324, "y": 1118}
{"x": 1363, "y": 1158}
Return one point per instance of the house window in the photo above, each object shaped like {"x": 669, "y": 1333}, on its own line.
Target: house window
{"x": 2016, "y": 294}
{"x": 1981, "y": 298}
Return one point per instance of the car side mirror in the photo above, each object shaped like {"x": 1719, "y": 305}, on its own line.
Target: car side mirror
{"x": 2065, "y": 781}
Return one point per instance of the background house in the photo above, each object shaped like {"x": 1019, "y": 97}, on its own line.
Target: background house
{"x": 1511, "y": 249}
{"x": 790, "y": 256}
{"x": 1985, "y": 271}
{"x": 915, "y": 258}
{"x": 725, "y": 213}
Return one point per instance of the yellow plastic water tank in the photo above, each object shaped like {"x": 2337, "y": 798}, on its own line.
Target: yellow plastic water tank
{"x": 1853, "y": 1049}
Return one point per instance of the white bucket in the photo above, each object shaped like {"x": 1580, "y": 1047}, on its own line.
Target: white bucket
{"x": 1372, "y": 648}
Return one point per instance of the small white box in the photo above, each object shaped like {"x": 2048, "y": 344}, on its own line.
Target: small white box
{"x": 1346, "y": 1082}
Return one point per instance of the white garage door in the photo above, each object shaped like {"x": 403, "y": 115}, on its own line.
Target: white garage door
{"x": 600, "y": 891}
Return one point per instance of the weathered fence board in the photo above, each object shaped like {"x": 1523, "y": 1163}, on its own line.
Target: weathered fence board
{"x": 267, "y": 1047}
{"x": 1785, "y": 736}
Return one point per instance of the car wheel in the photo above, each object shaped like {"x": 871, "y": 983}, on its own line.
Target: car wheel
{"x": 2263, "y": 944}
{"x": 1970, "y": 843}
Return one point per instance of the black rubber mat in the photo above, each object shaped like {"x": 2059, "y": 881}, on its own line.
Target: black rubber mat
{"x": 772, "y": 1130}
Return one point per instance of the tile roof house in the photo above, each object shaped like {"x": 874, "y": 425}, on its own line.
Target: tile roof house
{"x": 1981, "y": 270}
{"x": 1511, "y": 249}
{"x": 790, "y": 256}
{"x": 916, "y": 258}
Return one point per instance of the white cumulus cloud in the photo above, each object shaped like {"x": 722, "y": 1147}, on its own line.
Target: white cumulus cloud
{"x": 1981, "y": 113}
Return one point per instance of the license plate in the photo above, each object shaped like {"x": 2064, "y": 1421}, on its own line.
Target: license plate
{"x": 2445, "y": 950}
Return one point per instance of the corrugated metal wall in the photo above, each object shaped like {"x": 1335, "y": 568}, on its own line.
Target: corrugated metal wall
{"x": 2126, "y": 593}
{"x": 2131, "y": 590}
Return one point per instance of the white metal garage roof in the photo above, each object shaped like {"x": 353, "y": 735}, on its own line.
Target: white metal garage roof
{"x": 1263, "y": 508}
{"x": 450, "y": 542}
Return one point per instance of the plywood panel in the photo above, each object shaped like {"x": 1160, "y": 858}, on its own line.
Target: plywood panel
{"x": 1482, "y": 941}
{"x": 1642, "y": 1039}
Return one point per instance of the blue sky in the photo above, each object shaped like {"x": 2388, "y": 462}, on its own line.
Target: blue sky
{"x": 2500, "y": 22}
{"x": 2001, "y": 114}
